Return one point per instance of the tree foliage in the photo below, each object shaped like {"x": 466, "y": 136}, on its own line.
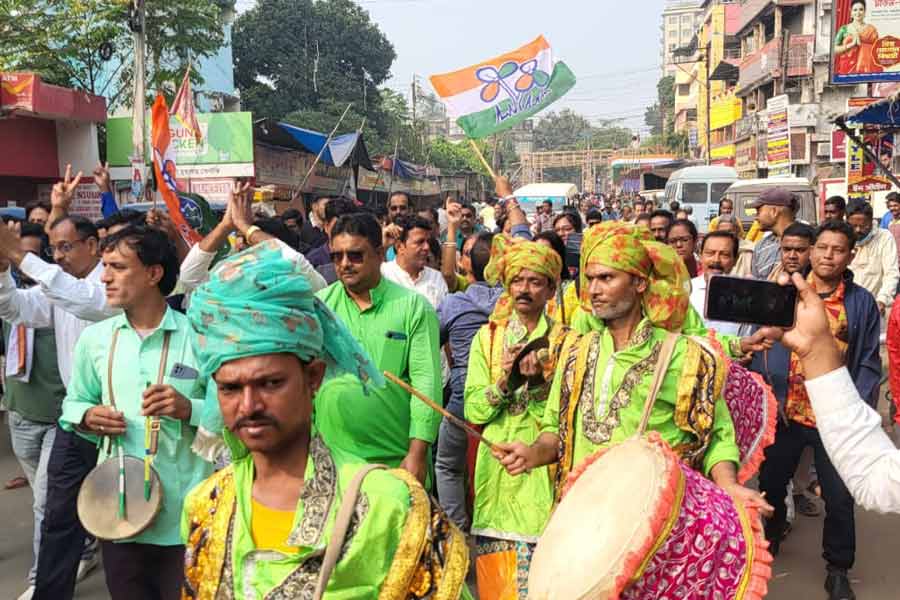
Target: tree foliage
{"x": 567, "y": 130}
{"x": 660, "y": 116}
{"x": 62, "y": 40}
{"x": 305, "y": 61}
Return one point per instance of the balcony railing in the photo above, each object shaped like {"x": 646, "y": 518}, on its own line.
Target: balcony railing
{"x": 761, "y": 64}
{"x": 800, "y": 55}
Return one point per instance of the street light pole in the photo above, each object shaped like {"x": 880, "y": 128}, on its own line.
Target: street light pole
{"x": 138, "y": 116}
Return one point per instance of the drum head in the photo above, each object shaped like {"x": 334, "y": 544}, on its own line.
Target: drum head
{"x": 98, "y": 500}
{"x": 605, "y": 516}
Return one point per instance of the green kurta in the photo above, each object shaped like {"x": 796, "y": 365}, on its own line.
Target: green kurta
{"x": 136, "y": 366}
{"x": 381, "y": 549}
{"x": 506, "y": 507}
{"x": 617, "y": 383}
{"x": 400, "y": 333}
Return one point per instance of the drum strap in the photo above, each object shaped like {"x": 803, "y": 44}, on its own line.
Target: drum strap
{"x": 659, "y": 373}
{"x": 164, "y": 357}
{"x": 341, "y": 526}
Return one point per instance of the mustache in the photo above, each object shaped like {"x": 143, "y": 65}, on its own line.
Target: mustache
{"x": 257, "y": 418}
{"x": 716, "y": 266}
{"x": 524, "y": 298}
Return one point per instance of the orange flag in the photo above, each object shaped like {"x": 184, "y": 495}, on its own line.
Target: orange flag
{"x": 165, "y": 170}
{"x": 184, "y": 110}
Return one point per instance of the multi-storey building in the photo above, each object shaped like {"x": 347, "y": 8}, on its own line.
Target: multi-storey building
{"x": 680, "y": 20}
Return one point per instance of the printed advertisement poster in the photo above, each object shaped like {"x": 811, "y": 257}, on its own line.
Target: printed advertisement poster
{"x": 778, "y": 138}
{"x": 865, "y": 44}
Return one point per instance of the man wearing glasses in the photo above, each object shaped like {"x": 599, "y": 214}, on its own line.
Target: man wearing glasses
{"x": 398, "y": 328}
{"x": 68, "y": 296}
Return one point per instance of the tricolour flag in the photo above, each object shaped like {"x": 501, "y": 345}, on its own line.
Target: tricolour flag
{"x": 165, "y": 170}
{"x": 183, "y": 107}
{"x": 499, "y": 93}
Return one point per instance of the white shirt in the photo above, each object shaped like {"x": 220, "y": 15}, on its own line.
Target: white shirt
{"x": 430, "y": 282}
{"x": 698, "y": 301}
{"x": 60, "y": 300}
{"x": 195, "y": 267}
{"x": 875, "y": 266}
{"x": 858, "y": 447}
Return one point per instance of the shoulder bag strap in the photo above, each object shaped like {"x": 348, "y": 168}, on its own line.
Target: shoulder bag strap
{"x": 154, "y": 422}
{"x": 659, "y": 373}
{"x": 341, "y": 525}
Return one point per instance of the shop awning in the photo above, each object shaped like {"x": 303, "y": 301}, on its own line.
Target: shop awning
{"x": 344, "y": 149}
{"x": 885, "y": 112}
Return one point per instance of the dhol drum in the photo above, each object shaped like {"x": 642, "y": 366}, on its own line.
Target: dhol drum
{"x": 98, "y": 500}
{"x": 636, "y": 523}
{"x": 754, "y": 411}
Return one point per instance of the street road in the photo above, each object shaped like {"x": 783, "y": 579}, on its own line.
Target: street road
{"x": 799, "y": 571}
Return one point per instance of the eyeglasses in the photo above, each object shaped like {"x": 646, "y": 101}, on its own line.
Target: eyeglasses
{"x": 62, "y": 247}
{"x": 356, "y": 257}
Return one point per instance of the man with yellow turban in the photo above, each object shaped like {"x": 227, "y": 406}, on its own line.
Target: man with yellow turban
{"x": 508, "y": 397}
{"x": 634, "y": 293}
{"x": 292, "y": 517}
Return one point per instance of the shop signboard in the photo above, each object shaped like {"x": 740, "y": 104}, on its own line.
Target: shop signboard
{"x": 838, "y": 145}
{"x": 865, "y": 41}
{"x": 863, "y": 177}
{"x": 778, "y": 140}
{"x": 226, "y": 149}
{"x": 85, "y": 201}
{"x": 17, "y": 91}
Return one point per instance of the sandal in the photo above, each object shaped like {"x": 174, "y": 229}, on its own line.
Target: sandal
{"x": 16, "y": 483}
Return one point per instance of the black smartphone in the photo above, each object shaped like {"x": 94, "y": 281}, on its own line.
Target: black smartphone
{"x": 573, "y": 251}
{"x": 739, "y": 300}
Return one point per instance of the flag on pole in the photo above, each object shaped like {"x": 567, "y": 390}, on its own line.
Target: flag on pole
{"x": 183, "y": 107}
{"x": 501, "y": 92}
{"x": 165, "y": 170}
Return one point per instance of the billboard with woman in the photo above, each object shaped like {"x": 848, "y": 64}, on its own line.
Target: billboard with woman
{"x": 866, "y": 41}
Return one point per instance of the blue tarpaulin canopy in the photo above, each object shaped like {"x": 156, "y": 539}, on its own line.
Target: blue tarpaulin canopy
{"x": 885, "y": 112}
{"x": 342, "y": 149}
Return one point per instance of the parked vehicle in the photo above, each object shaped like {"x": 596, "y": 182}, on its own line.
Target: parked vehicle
{"x": 744, "y": 191}
{"x": 560, "y": 194}
{"x": 701, "y": 188}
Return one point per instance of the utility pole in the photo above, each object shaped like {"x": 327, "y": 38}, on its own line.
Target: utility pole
{"x": 139, "y": 110}
{"x": 706, "y": 60}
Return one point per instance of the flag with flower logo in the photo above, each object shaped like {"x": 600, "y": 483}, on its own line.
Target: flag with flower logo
{"x": 497, "y": 94}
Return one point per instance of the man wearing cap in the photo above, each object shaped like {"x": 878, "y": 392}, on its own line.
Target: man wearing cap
{"x": 634, "y": 293}
{"x": 510, "y": 512}
{"x": 776, "y": 209}
{"x": 292, "y": 517}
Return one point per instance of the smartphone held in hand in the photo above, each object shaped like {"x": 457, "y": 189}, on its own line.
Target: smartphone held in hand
{"x": 739, "y": 300}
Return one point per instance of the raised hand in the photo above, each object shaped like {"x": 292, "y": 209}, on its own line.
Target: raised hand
{"x": 101, "y": 177}
{"x": 239, "y": 206}
{"x": 63, "y": 191}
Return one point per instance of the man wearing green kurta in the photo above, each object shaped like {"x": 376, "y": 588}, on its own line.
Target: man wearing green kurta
{"x": 510, "y": 512}
{"x": 398, "y": 328}
{"x": 635, "y": 291}
{"x": 269, "y": 525}
{"x": 140, "y": 269}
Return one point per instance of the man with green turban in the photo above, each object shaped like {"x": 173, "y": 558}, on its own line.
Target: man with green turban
{"x": 510, "y": 512}
{"x": 634, "y": 292}
{"x": 291, "y": 517}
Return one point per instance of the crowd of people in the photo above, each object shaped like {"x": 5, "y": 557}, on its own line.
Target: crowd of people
{"x": 291, "y": 468}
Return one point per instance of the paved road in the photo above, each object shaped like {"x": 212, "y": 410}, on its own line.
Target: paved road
{"x": 799, "y": 573}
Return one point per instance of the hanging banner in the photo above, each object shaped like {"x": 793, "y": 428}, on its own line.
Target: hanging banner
{"x": 778, "y": 138}
{"x": 863, "y": 176}
{"x": 865, "y": 44}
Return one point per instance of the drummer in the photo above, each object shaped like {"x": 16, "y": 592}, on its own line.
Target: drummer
{"x": 510, "y": 513}
{"x": 140, "y": 270}
{"x": 258, "y": 528}
{"x": 634, "y": 290}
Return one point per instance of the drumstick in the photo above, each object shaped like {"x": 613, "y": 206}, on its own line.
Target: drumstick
{"x": 434, "y": 406}
{"x": 148, "y": 423}
{"x": 121, "y": 478}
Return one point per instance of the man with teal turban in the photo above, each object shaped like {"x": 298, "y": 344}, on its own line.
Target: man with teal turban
{"x": 291, "y": 517}
{"x": 634, "y": 294}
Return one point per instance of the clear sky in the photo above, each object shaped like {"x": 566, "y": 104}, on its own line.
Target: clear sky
{"x": 612, "y": 46}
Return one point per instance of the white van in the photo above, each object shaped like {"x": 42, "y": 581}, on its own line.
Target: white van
{"x": 560, "y": 194}
{"x": 701, "y": 188}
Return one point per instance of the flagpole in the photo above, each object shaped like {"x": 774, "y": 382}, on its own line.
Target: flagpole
{"x": 393, "y": 169}
{"x": 322, "y": 151}
{"x": 484, "y": 161}
{"x": 139, "y": 111}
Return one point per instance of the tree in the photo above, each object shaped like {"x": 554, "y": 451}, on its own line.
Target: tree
{"x": 64, "y": 40}
{"x": 561, "y": 131}
{"x": 309, "y": 59}
{"x": 653, "y": 119}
